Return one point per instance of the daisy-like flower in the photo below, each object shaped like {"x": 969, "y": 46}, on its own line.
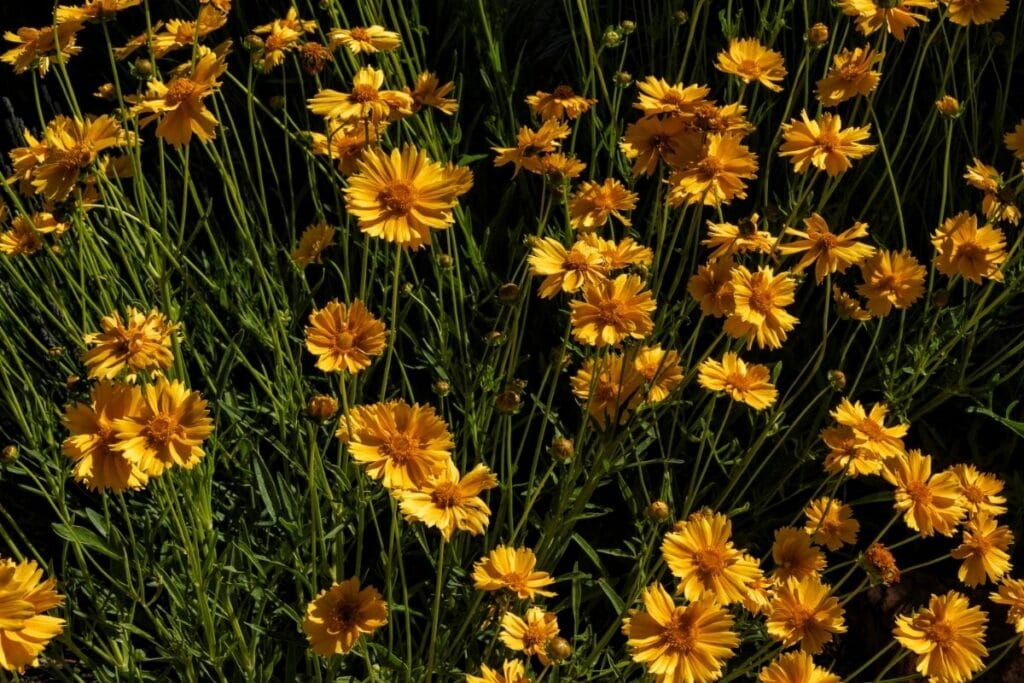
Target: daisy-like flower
{"x": 25, "y": 235}
{"x": 796, "y": 667}
{"x": 852, "y": 74}
{"x": 846, "y": 456}
{"x": 91, "y": 443}
{"x": 983, "y": 551}
{"x": 314, "y": 240}
{"x": 930, "y": 503}
{"x": 828, "y": 252}
{"x": 449, "y": 502}
{"x": 37, "y": 47}
{"x": 983, "y": 177}
{"x": 895, "y": 15}
{"x": 962, "y": 248}
{"x": 654, "y": 139}
{"x": 750, "y": 384}
{"x": 72, "y": 145}
{"x": 1014, "y": 140}
{"x": 139, "y": 342}
{"x": 980, "y": 491}
{"x": 759, "y": 301}
{"x": 805, "y": 612}
{"x": 621, "y": 254}
{"x": 338, "y": 616}
{"x": 892, "y": 279}
{"x": 869, "y": 429}
{"x": 658, "y": 97}
{"x": 345, "y": 142}
{"x": 430, "y": 93}
{"x": 401, "y": 196}
{"x": 758, "y": 597}
{"x": 948, "y": 637}
{"x": 365, "y": 40}
{"x": 848, "y": 307}
{"x": 752, "y": 62}
{"x": 280, "y": 39}
{"x": 717, "y": 175}
{"x": 91, "y": 10}
{"x": 610, "y": 387}
{"x": 794, "y": 556}
{"x": 512, "y": 671}
{"x": 531, "y": 633}
{"x": 882, "y": 564}
{"x": 560, "y": 167}
{"x": 594, "y": 203}
{"x": 999, "y": 207}
{"x": 561, "y": 103}
{"x": 726, "y": 239}
{"x": 660, "y": 369}
{"x": 24, "y": 628}
{"x": 612, "y": 311}
{"x": 514, "y": 570}
{"x": 402, "y": 445}
{"x": 680, "y": 643}
{"x": 531, "y": 145}
{"x": 823, "y": 143}
{"x": 291, "y": 20}
{"x": 565, "y": 270}
{"x": 344, "y": 337}
{"x": 977, "y": 12}
{"x": 168, "y": 428}
{"x": 830, "y": 523}
{"x": 712, "y": 288}
{"x": 366, "y": 102}
{"x": 700, "y": 553}
{"x": 178, "y": 105}
{"x": 1011, "y": 594}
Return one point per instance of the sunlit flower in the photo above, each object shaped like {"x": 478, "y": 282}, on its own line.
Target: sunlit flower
{"x": 658, "y": 97}
{"x": 895, "y": 15}
{"x": 977, "y": 12}
{"x": 750, "y": 384}
{"x": 654, "y": 139}
{"x": 91, "y": 443}
{"x": 38, "y": 47}
{"x": 948, "y": 638}
{"x": 851, "y": 75}
{"x": 980, "y": 490}
{"x": 565, "y": 270}
{"x": 680, "y": 643}
{"x": 178, "y": 105}
{"x": 613, "y": 310}
{"x": 752, "y": 62}
{"x": 823, "y": 143}
{"x": 512, "y": 671}
{"x": 660, "y": 369}
{"x": 717, "y": 176}
{"x": 24, "y": 629}
{"x": 344, "y": 143}
{"x": 830, "y": 523}
{"x": 700, "y": 553}
{"x": 366, "y": 40}
{"x": 962, "y": 248}
{"x": 1014, "y": 140}
{"x": 337, "y": 617}
{"x": 512, "y": 569}
{"x": 847, "y": 455}
{"x": 594, "y": 203}
{"x": 983, "y": 551}
{"x": 848, "y": 307}
{"x": 622, "y": 254}
{"x": 139, "y": 342}
{"x": 1011, "y": 594}
{"x": 794, "y": 556}
{"x": 449, "y": 502}
{"x": 828, "y": 252}
{"x": 25, "y": 235}
{"x": 727, "y": 239}
{"x": 531, "y": 145}
{"x": 314, "y": 57}
{"x": 796, "y": 667}
{"x": 429, "y": 92}
{"x": 559, "y": 167}
{"x": 712, "y": 288}
{"x": 610, "y": 387}
{"x": 805, "y": 612}
{"x": 366, "y": 102}
{"x": 561, "y": 103}
{"x": 72, "y": 145}
{"x": 869, "y": 429}
{"x": 758, "y": 598}
{"x": 930, "y": 502}
{"x": 759, "y": 301}
{"x": 530, "y": 634}
{"x": 882, "y": 563}
{"x": 344, "y": 337}
{"x": 892, "y": 279}
{"x": 314, "y": 240}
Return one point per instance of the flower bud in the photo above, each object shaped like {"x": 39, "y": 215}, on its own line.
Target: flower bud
{"x": 142, "y": 69}
{"x": 322, "y": 407}
{"x": 441, "y": 387}
{"x": 612, "y": 38}
{"x": 509, "y": 402}
{"x": 817, "y": 35}
{"x": 658, "y": 511}
{"x": 495, "y": 338}
{"x": 561, "y": 448}
{"x": 55, "y": 351}
{"x": 837, "y": 378}
{"x": 508, "y": 293}
{"x": 277, "y": 102}
{"x": 948, "y": 106}
{"x": 445, "y": 262}
{"x": 681, "y": 17}
{"x": 252, "y": 43}
{"x": 623, "y": 78}
{"x": 940, "y": 299}
{"x": 559, "y": 649}
{"x": 627, "y": 27}
{"x": 9, "y": 453}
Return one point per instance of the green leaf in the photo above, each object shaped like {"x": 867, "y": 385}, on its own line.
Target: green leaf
{"x": 82, "y": 536}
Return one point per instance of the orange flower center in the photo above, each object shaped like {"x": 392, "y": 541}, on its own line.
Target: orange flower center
{"x": 612, "y": 313}
{"x": 710, "y": 560}
{"x": 446, "y": 496}
{"x": 178, "y": 91}
{"x": 606, "y": 392}
{"x": 563, "y": 92}
{"x": 361, "y": 35}
{"x": 709, "y": 168}
{"x": 344, "y": 340}
{"x": 515, "y": 582}
{"x": 398, "y": 198}
{"x": 829, "y": 142}
{"x": 887, "y": 283}
{"x": 534, "y": 637}
{"x": 162, "y": 429}
{"x": 750, "y": 68}
{"x": 574, "y": 260}
{"x": 919, "y": 492}
{"x": 972, "y": 253}
{"x": 397, "y": 448}
{"x": 364, "y": 93}
{"x": 827, "y": 241}
{"x": 761, "y": 300}
{"x": 342, "y": 617}
{"x": 941, "y": 633}
{"x": 73, "y": 159}
{"x": 974, "y": 494}
{"x": 680, "y": 635}
{"x": 705, "y": 117}
{"x": 800, "y": 616}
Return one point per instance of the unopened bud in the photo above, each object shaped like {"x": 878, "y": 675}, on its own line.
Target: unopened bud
{"x": 445, "y": 261}
{"x": 948, "y": 106}
{"x": 559, "y": 649}
{"x": 681, "y": 17}
{"x": 508, "y": 293}
{"x": 9, "y": 453}
{"x": 509, "y": 402}
{"x": 442, "y": 387}
{"x": 495, "y": 338}
{"x": 658, "y": 511}
{"x": 837, "y": 378}
{"x": 817, "y": 35}
{"x": 627, "y": 27}
{"x": 612, "y": 38}
{"x": 322, "y": 407}
{"x": 252, "y": 43}
{"x": 561, "y": 448}
{"x": 940, "y": 298}
{"x": 623, "y": 78}
{"x": 142, "y": 69}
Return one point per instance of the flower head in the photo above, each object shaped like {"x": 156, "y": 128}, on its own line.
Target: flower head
{"x": 594, "y": 203}
{"x": 794, "y": 555}
{"x": 339, "y": 615}
{"x": 365, "y": 40}
{"x": 852, "y": 74}
{"x": 24, "y": 629}
{"x": 654, "y": 139}
{"x": 366, "y": 102}
{"x": 727, "y": 239}
{"x": 929, "y": 502}
{"x": 139, "y": 342}
{"x": 980, "y": 491}
{"x": 565, "y": 270}
{"x": 700, "y": 553}
{"x": 870, "y": 432}
{"x": 712, "y": 288}
{"x": 1014, "y": 140}
{"x": 717, "y": 174}
{"x": 314, "y": 240}
{"x": 823, "y": 143}
{"x": 976, "y": 12}
{"x": 178, "y": 105}
{"x": 612, "y": 311}
{"x": 895, "y": 15}
{"x": 948, "y": 637}
{"x": 658, "y": 97}
{"x": 531, "y": 145}
{"x": 965, "y": 249}
{"x": 796, "y": 667}
{"x": 37, "y": 47}
{"x": 805, "y": 611}
{"x": 892, "y": 279}
{"x": 1011, "y": 594}
{"x": 512, "y": 671}
{"x": 71, "y": 146}
{"x": 561, "y": 103}
{"x": 91, "y": 443}
{"x": 660, "y": 369}
{"x": 828, "y": 252}
{"x": 344, "y": 337}
{"x": 514, "y": 570}
{"x": 830, "y": 523}
{"x": 429, "y": 92}
{"x": 750, "y": 384}
{"x": 759, "y": 301}
{"x": 983, "y": 551}
{"x": 449, "y": 502}
{"x": 752, "y": 62}
{"x": 531, "y": 633}
{"x": 611, "y": 388}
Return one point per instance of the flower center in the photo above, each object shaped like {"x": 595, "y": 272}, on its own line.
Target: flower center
{"x": 709, "y": 168}
{"x": 161, "y": 429}
{"x": 972, "y": 253}
{"x": 178, "y": 91}
{"x": 800, "y": 617}
{"x": 941, "y": 633}
{"x": 361, "y": 35}
{"x": 887, "y": 283}
{"x": 446, "y": 496}
{"x": 680, "y": 635}
{"x": 515, "y": 581}
{"x": 73, "y": 159}
{"x": 750, "y": 68}
{"x": 761, "y": 300}
{"x": 919, "y": 492}
{"x": 364, "y": 93}
{"x": 611, "y": 313}
{"x": 710, "y": 560}
{"x": 343, "y": 341}
{"x": 397, "y": 448}
{"x": 574, "y": 260}
{"x": 563, "y": 92}
{"x": 829, "y": 142}
{"x": 974, "y": 494}
{"x": 534, "y": 637}
{"x": 397, "y": 198}
{"x": 342, "y": 618}
{"x": 606, "y": 392}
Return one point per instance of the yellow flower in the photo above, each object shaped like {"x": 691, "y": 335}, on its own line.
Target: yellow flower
{"x": 366, "y": 40}
{"x": 830, "y": 523}
{"x": 983, "y": 551}
{"x": 291, "y": 21}
{"x": 559, "y": 167}
{"x": 24, "y": 237}
{"x": 882, "y": 564}
{"x": 847, "y": 455}
{"x": 752, "y": 62}
{"x": 962, "y": 248}
{"x": 531, "y": 145}
{"x": 869, "y": 428}
{"x": 92, "y": 9}
{"x": 660, "y": 369}
{"x": 344, "y": 337}
{"x": 658, "y": 97}
{"x": 983, "y": 177}
{"x": 339, "y": 615}
{"x": 449, "y": 503}
{"x": 716, "y": 176}
{"x": 315, "y": 239}
{"x": 727, "y": 239}
{"x": 565, "y": 270}
{"x": 168, "y": 428}
{"x": 563, "y": 102}
{"x": 796, "y": 667}
{"x": 1011, "y": 594}
{"x": 758, "y": 306}
{"x": 948, "y": 638}
{"x": 758, "y": 597}
{"x": 612, "y": 311}
{"x": 512, "y": 671}
{"x": 700, "y": 553}
{"x": 593, "y": 203}
{"x": 929, "y": 502}
{"x": 750, "y": 384}
{"x": 512, "y": 569}
{"x": 895, "y": 15}
{"x": 179, "y": 104}
{"x": 140, "y": 342}
{"x": 680, "y": 643}
{"x": 622, "y": 254}
{"x": 891, "y": 279}
{"x": 399, "y": 444}
{"x": 847, "y": 307}
{"x": 71, "y": 146}
{"x": 712, "y": 288}
{"x": 977, "y": 12}
{"x": 980, "y": 491}
{"x": 823, "y": 143}
{"x": 401, "y": 196}
{"x": 530, "y": 635}
{"x": 280, "y": 39}
{"x": 366, "y": 102}
{"x": 610, "y": 387}
{"x": 91, "y": 443}
{"x": 805, "y": 612}
{"x": 430, "y": 93}
{"x": 794, "y": 556}
{"x": 851, "y": 74}
{"x": 1014, "y": 141}
{"x": 828, "y": 252}
{"x": 36, "y": 47}
{"x": 24, "y": 629}
{"x": 345, "y": 142}
{"x": 655, "y": 139}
